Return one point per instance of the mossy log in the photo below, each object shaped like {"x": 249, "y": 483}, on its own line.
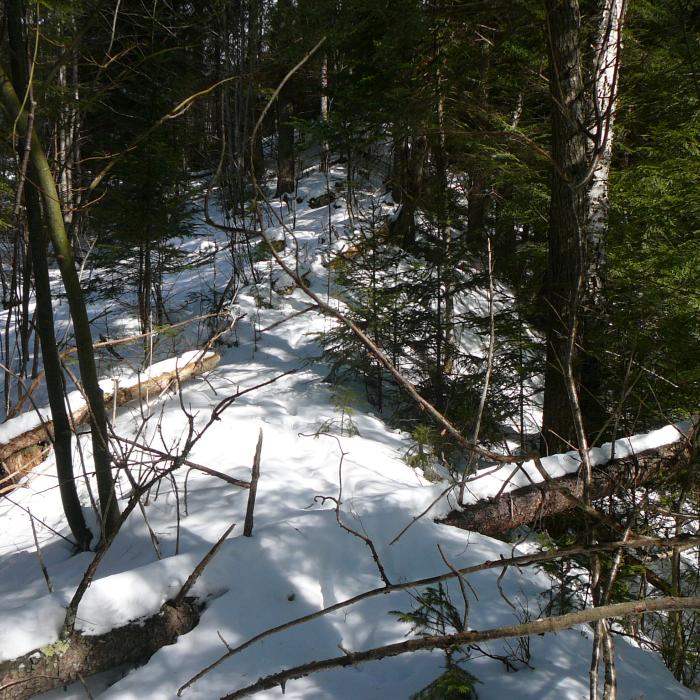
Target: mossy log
{"x": 80, "y": 656}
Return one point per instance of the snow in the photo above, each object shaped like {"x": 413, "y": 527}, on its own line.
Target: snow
{"x": 492, "y": 481}
{"x": 123, "y": 377}
{"x": 298, "y": 560}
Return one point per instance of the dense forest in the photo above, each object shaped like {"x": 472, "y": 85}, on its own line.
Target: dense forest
{"x": 518, "y": 260}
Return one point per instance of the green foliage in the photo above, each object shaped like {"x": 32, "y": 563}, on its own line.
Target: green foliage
{"x": 343, "y": 400}
{"x": 454, "y": 684}
{"x": 428, "y": 452}
{"x": 655, "y": 215}
{"x": 434, "y": 613}
{"x": 569, "y": 576}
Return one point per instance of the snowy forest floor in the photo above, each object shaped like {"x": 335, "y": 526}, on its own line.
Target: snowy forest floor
{"x": 299, "y": 559}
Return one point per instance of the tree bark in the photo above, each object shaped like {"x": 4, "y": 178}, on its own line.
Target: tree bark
{"x": 604, "y": 80}
{"x": 286, "y": 181}
{"x": 62, "y": 434}
{"x": 567, "y": 211}
{"x": 410, "y": 162}
{"x": 530, "y": 503}
{"x": 583, "y": 96}
{"x": 80, "y": 656}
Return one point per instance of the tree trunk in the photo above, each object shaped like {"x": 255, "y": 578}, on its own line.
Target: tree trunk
{"x": 531, "y": 503}
{"x": 604, "y": 81}
{"x": 325, "y": 108}
{"x": 582, "y": 97}
{"x": 567, "y": 210}
{"x": 62, "y": 436}
{"x": 80, "y": 656}
{"x": 41, "y": 175}
{"x": 286, "y": 181}
{"x": 411, "y": 164}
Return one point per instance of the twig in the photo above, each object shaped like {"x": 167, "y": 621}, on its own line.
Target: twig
{"x": 463, "y": 583}
{"x": 40, "y": 521}
{"x": 152, "y": 535}
{"x": 312, "y": 307}
{"x": 192, "y": 578}
{"x": 248, "y": 526}
{"x": 423, "y": 513}
{"x": 187, "y": 463}
{"x": 39, "y": 555}
{"x": 72, "y": 609}
{"x": 489, "y": 369}
{"x": 338, "y": 501}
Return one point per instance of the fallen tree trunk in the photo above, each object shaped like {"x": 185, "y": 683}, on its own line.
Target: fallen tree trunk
{"x": 79, "y": 656}
{"x": 530, "y": 503}
{"x": 23, "y": 452}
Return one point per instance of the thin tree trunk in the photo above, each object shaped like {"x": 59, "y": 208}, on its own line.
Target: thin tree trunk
{"x": 44, "y": 315}
{"x": 412, "y": 164}
{"x": 42, "y": 176}
{"x": 604, "y": 81}
{"x": 325, "y": 109}
{"x": 54, "y": 375}
{"x": 285, "y": 144}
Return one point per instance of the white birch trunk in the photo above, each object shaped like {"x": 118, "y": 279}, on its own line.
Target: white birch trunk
{"x": 604, "y": 88}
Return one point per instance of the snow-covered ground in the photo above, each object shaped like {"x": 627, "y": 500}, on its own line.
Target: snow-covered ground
{"x": 299, "y": 559}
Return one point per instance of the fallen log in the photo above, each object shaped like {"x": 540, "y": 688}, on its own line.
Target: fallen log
{"x": 24, "y": 450}
{"x": 79, "y": 656}
{"x": 528, "y": 504}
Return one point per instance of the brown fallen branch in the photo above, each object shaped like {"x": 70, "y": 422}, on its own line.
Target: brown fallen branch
{"x": 373, "y": 350}
{"x": 529, "y": 503}
{"x": 23, "y": 452}
{"x": 80, "y": 655}
{"x": 449, "y": 641}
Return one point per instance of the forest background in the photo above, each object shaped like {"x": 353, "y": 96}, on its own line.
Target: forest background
{"x": 547, "y": 150}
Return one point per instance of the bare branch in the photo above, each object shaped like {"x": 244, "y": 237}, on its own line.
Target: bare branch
{"x": 518, "y": 561}
{"x": 192, "y": 578}
{"x": 248, "y": 526}
{"x": 448, "y": 641}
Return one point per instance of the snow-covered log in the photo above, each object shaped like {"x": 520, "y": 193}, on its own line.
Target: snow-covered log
{"x": 80, "y": 656}
{"x": 530, "y": 503}
{"x": 23, "y": 447}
